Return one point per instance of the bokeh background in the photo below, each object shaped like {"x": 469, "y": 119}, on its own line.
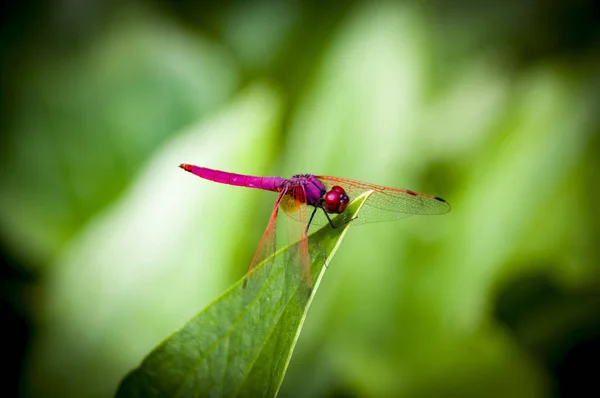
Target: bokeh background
{"x": 108, "y": 247}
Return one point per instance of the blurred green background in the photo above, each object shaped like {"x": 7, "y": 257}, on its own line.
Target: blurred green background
{"x": 108, "y": 247}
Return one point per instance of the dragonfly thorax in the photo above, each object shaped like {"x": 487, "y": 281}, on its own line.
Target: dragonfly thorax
{"x": 316, "y": 194}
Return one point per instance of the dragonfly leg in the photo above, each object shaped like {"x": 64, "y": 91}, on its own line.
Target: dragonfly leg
{"x": 331, "y": 222}
{"x": 311, "y": 241}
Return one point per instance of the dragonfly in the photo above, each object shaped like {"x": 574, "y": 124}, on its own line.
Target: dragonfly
{"x": 322, "y": 197}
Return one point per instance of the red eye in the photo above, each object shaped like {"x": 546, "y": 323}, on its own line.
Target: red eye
{"x": 336, "y": 200}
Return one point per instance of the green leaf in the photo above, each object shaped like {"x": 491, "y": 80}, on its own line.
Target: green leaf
{"x": 241, "y": 344}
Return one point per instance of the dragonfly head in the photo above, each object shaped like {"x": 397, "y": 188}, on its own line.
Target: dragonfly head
{"x": 336, "y": 200}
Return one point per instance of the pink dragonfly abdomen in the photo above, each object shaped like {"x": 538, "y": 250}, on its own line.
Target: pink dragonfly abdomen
{"x": 240, "y": 180}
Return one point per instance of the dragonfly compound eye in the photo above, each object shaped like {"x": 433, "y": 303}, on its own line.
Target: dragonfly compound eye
{"x": 336, "y": 200}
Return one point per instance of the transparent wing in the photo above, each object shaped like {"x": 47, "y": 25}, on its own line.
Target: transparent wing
{"x": 294, "y": 205}
{"x": 385, "y": 204}
{"x": 293, "y": 263}
{"x": 268, "y": 243}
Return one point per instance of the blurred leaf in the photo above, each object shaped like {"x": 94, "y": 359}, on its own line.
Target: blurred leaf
{"x": 139, "y": 270}
{"x": 241, "y": 344}
{"x": 85, "y": 123}
{"x": 258, "y": 31}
